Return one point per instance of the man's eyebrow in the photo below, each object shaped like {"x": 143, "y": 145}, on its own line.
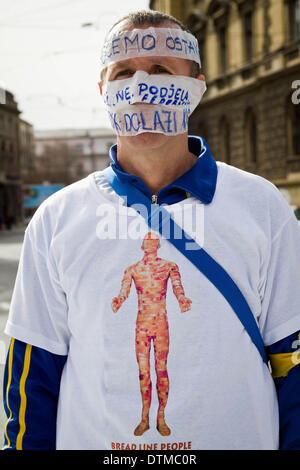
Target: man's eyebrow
{"x": 115, "y": 67}
{"x": 161, "y": 60}
{"x": 120, "y": 65}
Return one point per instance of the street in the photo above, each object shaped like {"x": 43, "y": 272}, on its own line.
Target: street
{"x": 10, "y": 249}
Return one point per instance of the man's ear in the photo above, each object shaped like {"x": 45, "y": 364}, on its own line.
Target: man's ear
{"x": 100, "y": 88}
{"x": 201, "y": 77}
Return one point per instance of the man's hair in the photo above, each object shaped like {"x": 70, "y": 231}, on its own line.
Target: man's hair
{"x": 155, "y": 18}
{"x": 151, "y": 17}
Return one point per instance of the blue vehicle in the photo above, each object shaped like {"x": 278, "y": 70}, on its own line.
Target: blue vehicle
{"x": 34, "y": 195}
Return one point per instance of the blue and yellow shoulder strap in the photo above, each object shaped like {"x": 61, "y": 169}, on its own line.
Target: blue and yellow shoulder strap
{"x": 198, "y": 256}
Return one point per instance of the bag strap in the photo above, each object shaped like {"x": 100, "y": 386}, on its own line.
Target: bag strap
{"x": 198, "y": 256}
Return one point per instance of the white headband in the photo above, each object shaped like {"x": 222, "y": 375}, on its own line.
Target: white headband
{"x": 149, "y": 42}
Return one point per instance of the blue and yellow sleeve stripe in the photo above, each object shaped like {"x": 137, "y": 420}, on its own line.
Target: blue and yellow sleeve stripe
{"x": 31, "y": 388}
{"x": 22, "y": 399}
{"x": 284, "y": 355}
{"x": 284, "y": 358}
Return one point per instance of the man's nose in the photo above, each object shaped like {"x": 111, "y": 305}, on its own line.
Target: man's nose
{"x": 141, "y": 64}
{"x": 145, "y": 68}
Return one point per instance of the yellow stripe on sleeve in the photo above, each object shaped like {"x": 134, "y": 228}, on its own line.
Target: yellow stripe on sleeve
{"x": 282, "y": 363}
{"x": 10, "y": 361}
{"x": 23, "y": 405}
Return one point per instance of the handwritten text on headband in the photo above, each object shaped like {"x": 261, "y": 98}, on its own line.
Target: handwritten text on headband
{"x": 150, "y": 42}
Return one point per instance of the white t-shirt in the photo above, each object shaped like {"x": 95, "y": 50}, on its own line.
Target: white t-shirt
{"x": 77, "y": 248}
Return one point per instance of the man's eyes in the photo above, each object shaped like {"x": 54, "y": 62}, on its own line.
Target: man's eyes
{"x": 160, "y": 69}
{"x": 123, "y": 73}
{"x": 127, "y": 73}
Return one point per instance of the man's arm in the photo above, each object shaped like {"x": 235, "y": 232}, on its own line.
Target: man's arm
{"x": 30, "y": 393}
{"x": 279, "y": 320}
{"x": 38, "y": 316}
{"x": 184, "y": 302}
{"x": 124, "y": 291}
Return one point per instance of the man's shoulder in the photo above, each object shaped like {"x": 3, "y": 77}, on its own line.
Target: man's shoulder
{"x": 252, "y": 194}
{"x": 67, "y": 193}
{"x": 248, "y": 184}
{"x": 60, "y": 206}
{"x": 234, "y": 173}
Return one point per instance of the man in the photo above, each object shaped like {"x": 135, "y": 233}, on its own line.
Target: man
{"x": 150, "y": 276}
{"x": 70, "y": 377}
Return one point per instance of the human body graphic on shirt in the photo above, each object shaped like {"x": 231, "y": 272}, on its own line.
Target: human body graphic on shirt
{"x": 151, "y": 276}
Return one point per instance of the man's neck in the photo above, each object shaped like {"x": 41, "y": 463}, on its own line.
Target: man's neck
{"x": 157, "y": 166}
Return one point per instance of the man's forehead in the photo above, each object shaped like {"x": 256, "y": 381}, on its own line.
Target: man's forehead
{"x": 126, "y": 25}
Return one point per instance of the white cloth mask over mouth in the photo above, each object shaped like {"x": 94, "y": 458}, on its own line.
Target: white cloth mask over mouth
{"x": 152, "y": 103}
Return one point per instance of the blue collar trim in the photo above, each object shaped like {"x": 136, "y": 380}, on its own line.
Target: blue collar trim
{"x": 199, "y": 181}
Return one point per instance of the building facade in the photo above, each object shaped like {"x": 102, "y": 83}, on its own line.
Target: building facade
{"x": 66, "y": 155}
{"x": 27, "y": 150}
{"x": 11, "y": 197}
{"x": 250, "y": 113}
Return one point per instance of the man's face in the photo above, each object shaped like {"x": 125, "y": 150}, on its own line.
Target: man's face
{"x": 152, "y": 65}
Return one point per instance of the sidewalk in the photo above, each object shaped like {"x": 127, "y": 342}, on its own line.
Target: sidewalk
{"x": 11, "y": 242}
{"x": 15, "y": 230}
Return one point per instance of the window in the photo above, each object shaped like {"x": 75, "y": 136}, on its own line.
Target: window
{"x": 250, "y": 136}
{"x": 197, "y": 23}
{"x": 246, "y": 11}
{"x": 222, "y": 38}
{"x": 201, "y": 43}
{"x": 292, "y": 16}
{"x": 293, "y": 129}
{"x": 9, "y": 127}
{"x": 248, "y": 36}
{"x": 2, "y": 125}
{"x": 218, "y": 10}
{"x": 224, "y": 142}
{"x": 296, "y": 130}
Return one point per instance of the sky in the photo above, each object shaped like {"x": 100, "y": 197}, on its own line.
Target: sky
{"x": 49, "y": 58}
